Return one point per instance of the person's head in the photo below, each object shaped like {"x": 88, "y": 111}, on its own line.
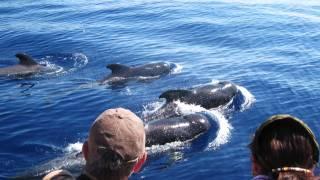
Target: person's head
{"x": 284, "y": 147}
{"x": 116, "y": 145}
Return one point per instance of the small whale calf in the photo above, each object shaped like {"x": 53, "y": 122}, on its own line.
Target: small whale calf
{"x": 122, "y": 73}
{"x": 208, "y": 96}
{"x": 27, "y": 66}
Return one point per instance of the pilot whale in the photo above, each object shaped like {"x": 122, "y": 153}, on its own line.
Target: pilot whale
{"x": 27, "y": 66}
{"x": 158, "y": 132}
{"x": 208, "y": 96}
{"x": 181, "y": 128}
{"x": 122, "y": 73}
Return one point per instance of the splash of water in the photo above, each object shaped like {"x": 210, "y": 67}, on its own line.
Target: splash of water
{"x": 177, "y": 145}
{"x": 224, "y": 130}
{"x": 71, "y": 62}
{"x": 248, "y": 98}
{"x": 177, "y": 68}
{"x": 73, "y": 148}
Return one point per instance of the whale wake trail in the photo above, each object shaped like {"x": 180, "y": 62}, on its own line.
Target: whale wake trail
{"x": 62, "y": 64}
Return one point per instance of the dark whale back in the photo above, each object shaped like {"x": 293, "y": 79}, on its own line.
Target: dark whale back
{"x": 209, "y": 96}
{"x": 173, "y": 95}
{"x": 150, "y": 70}
{"x": 147, "y": 70}
{"x": 118, "y": 69}
{"x": 122, "y": 73}
{"x": 182, "y": 128}
{"x": 25, "y": 59}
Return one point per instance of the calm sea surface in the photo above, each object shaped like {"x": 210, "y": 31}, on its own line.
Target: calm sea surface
{"x": 271, "y": 48}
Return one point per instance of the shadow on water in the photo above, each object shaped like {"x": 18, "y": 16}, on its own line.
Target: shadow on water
{"x": 26, "y": 87}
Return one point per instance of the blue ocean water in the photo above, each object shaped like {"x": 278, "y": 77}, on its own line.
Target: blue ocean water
{"x": 270, "y": 48}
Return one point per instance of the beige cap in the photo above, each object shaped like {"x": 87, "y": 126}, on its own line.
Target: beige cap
{"x": 120, "y": 131}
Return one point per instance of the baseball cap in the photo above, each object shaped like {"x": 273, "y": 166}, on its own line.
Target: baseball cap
{"x": 119, "y": 131}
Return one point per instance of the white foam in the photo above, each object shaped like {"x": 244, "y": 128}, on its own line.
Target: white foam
{"x": 178, "y": 69}
{"x": 214, "y": 81}
{"x": 186, "y": 109}
{"x": 51, "y": 68}
{"x": 168, "y": 146}
{"x": 249, "y": 99}
{"x": 73, "y": 147}
{"x": 147, "y": 77}
{"x": 224, "y": 130}
{"x": 80, "y": 60}
{"x": 151, "y": 108}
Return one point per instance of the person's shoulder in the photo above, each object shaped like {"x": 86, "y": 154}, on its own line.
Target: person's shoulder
{"x": 59, "y": 175}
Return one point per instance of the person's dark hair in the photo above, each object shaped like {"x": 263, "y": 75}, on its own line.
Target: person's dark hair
{"x": 285, "y": 148}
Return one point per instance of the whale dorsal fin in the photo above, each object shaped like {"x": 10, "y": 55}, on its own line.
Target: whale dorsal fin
{"x": 172, "y": 95}
{"x": 117, "y": 68}
{"x": 25, "y": 59}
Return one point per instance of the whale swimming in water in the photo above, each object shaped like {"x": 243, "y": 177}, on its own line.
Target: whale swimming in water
{"x": 122, "y": 73}
{"x": 158, "y": 132}
{"x": 181, "y": 128}
{"x": 208, "y": 96}
{"x": 27, "y": 66}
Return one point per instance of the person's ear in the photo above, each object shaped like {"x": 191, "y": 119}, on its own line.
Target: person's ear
{"x": 140, "y": 162}
{"x": 85, "y": 150}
